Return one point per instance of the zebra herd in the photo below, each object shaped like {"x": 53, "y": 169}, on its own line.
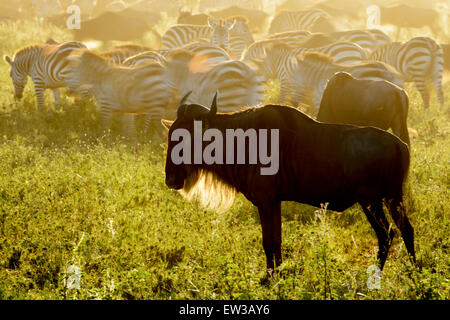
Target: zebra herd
{"x": 224, "y": 56}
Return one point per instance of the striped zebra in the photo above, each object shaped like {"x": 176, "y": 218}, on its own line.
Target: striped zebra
{"x": 295, "y": 20}
{"x": 206, "y": 51}
{"x": 240, "y": 36}
{"x": 257, "y": 50}
{"x": 211, "y": 53}
{"x": 237, "y": 83}
{"x": 45, "y": 64}
{"x": 315, "y": 69}
{"x": 117, "y": 56}
{"x": 143, "y": 57}
{"x": 181, "y": 34}
{"x": 381, "y": 38}
{"x": 418, "y": 60}
{"x": 119, "y": 89}
{"x": 281, "y": 62}
{"x": 363, "y": 38}
{"x": 300, "y": 35}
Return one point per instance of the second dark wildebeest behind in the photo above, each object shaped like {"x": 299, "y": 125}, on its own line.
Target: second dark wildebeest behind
{"x": 318, "y": 163}
{"x": 376, "y": 103}
{"x": 125, "y": 25}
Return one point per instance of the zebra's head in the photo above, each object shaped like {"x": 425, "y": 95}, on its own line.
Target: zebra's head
{"x": 240, "y": 28}
{"x": 18, "y": 75}
{"x": 220, "y": 33}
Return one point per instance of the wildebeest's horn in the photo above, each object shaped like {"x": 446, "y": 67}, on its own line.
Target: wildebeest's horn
{"x": 213, "y": 109}
{"x": 183, "y": 100}
{"x": 182, "y": 105}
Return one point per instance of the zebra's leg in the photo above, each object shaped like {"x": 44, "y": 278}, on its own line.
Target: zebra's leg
{"x": 421, "y": 85}
{"x": 437, "y": 81}
{"x": 128, "y": 121}
{"x": 40, "y": 95}
{"x": 106, "y": 119}
{"x": 57, "y": 98}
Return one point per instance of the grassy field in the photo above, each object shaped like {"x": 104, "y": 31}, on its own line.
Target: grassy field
{"x": 71, "y": 198}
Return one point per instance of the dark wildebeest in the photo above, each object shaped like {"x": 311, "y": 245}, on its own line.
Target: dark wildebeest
{"x": 377, "y": 103}
{"x": 187, "y": 17}
{"x": 125, "y": 25}
{"x": 403, "y": 16}
{"x": 446, "y": 50}
{"x": 318, "y": 163}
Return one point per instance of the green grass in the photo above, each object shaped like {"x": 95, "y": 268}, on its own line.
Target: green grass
{"x": 69, "y": 197}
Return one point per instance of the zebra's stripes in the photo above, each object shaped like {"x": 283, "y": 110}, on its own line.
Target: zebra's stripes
{"x": 315, "y": 69}
{"x": 418, "y": 60}
{"x": 237, "y": 83}
{"x": 257, "y": 50}
{"x": 363, "y": 38}
{"x": 119, "y": 89}
{"x": 233, "y": 35}
{"x": 181, "y": 34}
{"x": 295, "y": 20}
{"x": 381, "y": 38}
{"x": 280, "y": 61}
{"x": 143, "y": 57}
{"x": 240, "y": 36}
{"x": 45, "y": 64}
{"x": 209, "y": 52}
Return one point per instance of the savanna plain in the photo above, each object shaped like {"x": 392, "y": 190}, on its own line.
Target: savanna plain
{"x": 71, "y": 199}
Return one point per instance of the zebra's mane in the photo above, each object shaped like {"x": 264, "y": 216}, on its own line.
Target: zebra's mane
{"x": 279, "y": 45}
{"x": 91, "y": 61}
{"x": 317, "y": 57}
{"x": 26, "y": 50}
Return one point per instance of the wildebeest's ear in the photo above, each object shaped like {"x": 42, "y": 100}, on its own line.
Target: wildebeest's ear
{"x": 8, "y": 59}
{"x": 166, "y": 123}
{"x": 213, "y": 109}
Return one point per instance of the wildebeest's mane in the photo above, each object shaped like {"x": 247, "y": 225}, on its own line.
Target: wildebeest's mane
{"x": 249, "y": 114}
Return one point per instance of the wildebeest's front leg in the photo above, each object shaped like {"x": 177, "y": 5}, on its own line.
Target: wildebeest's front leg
{"x": 377, "y": 219}
{"x": 270, "y": 216}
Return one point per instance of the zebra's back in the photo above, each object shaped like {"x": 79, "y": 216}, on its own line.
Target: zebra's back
{"x": 181, "y": 34}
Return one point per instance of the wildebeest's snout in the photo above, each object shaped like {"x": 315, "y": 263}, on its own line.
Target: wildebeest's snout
{"x": 173, "y": 183}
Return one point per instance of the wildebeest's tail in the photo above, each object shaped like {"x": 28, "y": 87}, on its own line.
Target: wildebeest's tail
{"x": 405, "y": 161}
{"x": 400, "y": 126}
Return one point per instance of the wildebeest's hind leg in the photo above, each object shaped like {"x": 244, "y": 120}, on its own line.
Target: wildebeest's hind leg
{"x": 379, "y": 223}
{"x": 270, "y": 216}
{"x": 398, "y": 213}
